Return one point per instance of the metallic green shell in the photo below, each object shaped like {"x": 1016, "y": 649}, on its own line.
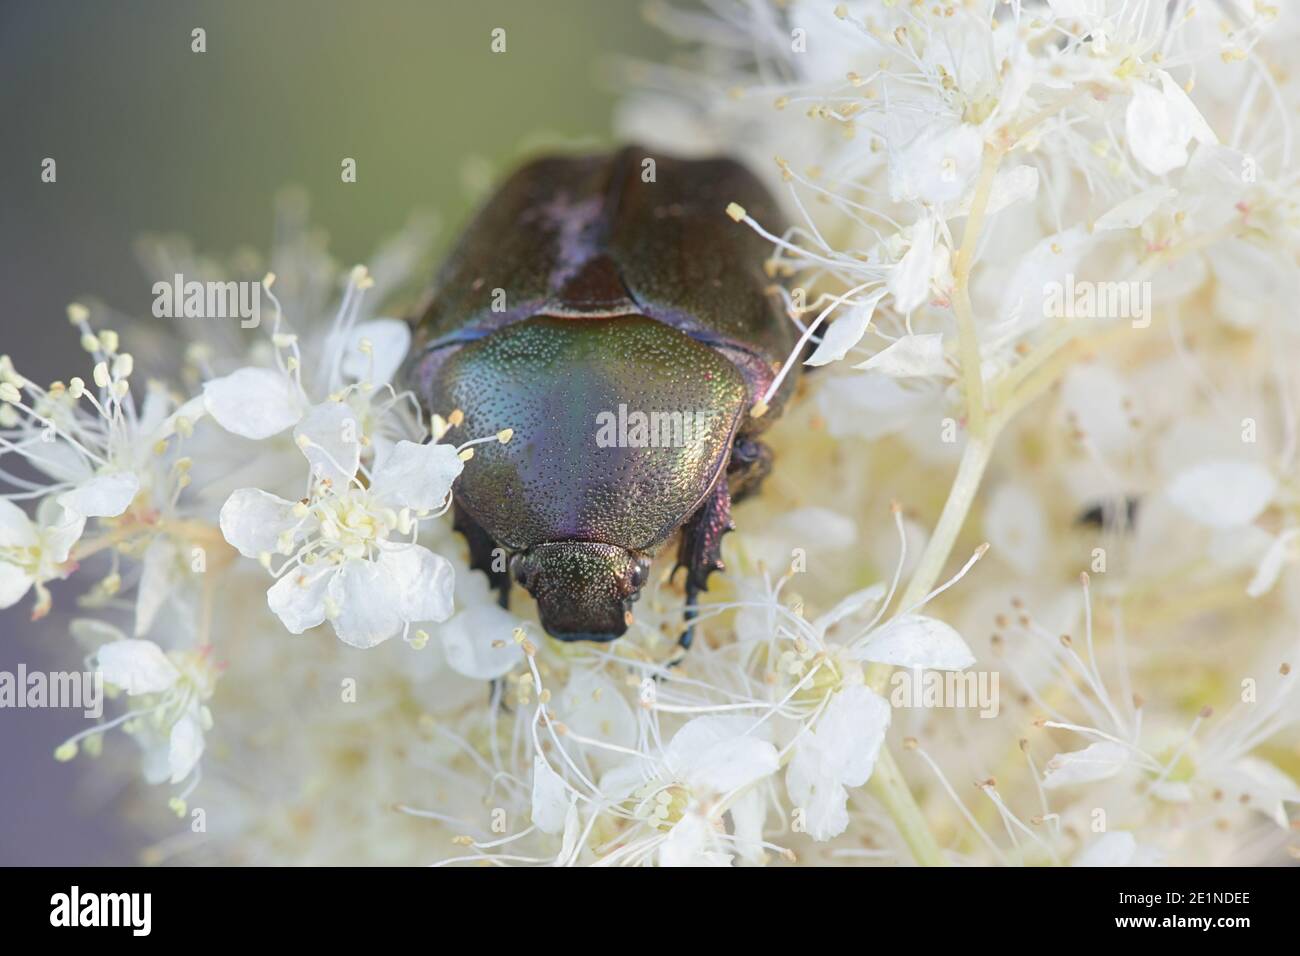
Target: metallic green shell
{"x": 565, "y": 386}
{"x": 586, "y": 284}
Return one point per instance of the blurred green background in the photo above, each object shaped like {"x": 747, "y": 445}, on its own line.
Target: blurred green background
{"x": 150, "y": 137}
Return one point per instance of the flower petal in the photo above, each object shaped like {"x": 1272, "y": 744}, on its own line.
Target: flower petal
{"x": 1009, "y": 187}
{"x": 1267, "y": 785}
{"x": 424, "y": 582}
{"x": 550, "y": 797}
{"x": 937, "y": 164}
{"x": 591, "y": 706}
{"x": 846, "y": 331}
{"x": 692, "y": 842}
{"x": 60, "y": 530}
{"x": 1284, "y": 549}
{"x": 912, "y": 356}
{"x": 367, "y": 600}
{"x": 184, "y": 745}
{"x": 916, "y": 641}
{"x": 1223, "y": 494}
{"x": 298, "y": 598}
{"x": 389, "y": 341}
{"x": 14, "y": 583}
{"x": 157, "y": 581}
{"x": 16, "y": 529}
{"x": 1116, "y": 848}
{"x": 417, "y": 476}
{"x": 1135, "y": 210}
{"x": 719, "y": 754}
{"x": 1159, "y": 125}
{"x": 253, "y": 520}
{"x": 1017, "y": 527}
{"x": 104, "y": 496}
{"x": 839, "y": 752}
{"x": 468, "y": 638}
{"x": 330, "y": 436}
{"x": 909, "y": 280}
{"x": 1097, "y": 761}
{"x": 853, "y": 604}
{"x": 138, "y": 667}
{"x": 253, "y": 402}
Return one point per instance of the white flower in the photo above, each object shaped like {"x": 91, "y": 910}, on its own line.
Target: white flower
{"x": 708, "y": 761}
{"x": 551, "y": 799}
{"x": 1097, "y": 761}
{"x": 1116, "y": 848}
{"x": 103, "y": 456}
{"x": 870, "y": 406}
{"x": 937, "y": 165}
{"x": 912, "y": 356}
{"x": 914, "y": 641}
{"x": 168, "y": 715}
{"x": 1284, "y": 549}
{"x": 839, "y": 752}
{"x": 592, "y": 706}
{"x": 1017, "y": 527}
{"x": 254, "y": 402}
{"x": 1096, "y": 402}
{"x": 1136, "y": 210}
{"x": 32, "y": 553}
{"x": 353, "y": 362}
{"x": 1160, "y": 124}
{"x": 923, "y": 262}
{"x": 1223, "y": 493}
{"x": 137, "y": 667}
{"x": 352, "y": 556}
{"x": 96, "y": 446}
{"x": 1268, "y": 788}
{"x": 162, "y": 578}
{"x": 478, "y": 642}
{"x": 816, "y": 530}
{"x": 846, "y": 331}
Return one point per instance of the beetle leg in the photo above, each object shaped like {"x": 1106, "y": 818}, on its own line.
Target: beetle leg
{"x": 750, "y": 463}
{"x": 700, "y": 551}
{"x": 484, "y": 554}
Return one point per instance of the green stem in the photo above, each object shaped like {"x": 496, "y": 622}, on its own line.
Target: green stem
{"x": 888, "y": 786}
{"x": 887, "y": 783}
{"x": 970, "y": 473}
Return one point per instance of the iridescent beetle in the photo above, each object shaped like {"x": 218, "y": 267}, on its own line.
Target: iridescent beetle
{"x": 587, "y": 290}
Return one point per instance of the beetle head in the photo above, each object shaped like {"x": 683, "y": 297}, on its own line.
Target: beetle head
{"x": 584, "y": 589}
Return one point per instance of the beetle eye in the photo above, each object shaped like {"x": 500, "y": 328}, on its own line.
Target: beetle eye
{"x": 636, "y": 578}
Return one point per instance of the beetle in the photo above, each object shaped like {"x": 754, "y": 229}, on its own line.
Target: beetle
{"x": 588, "y": 286}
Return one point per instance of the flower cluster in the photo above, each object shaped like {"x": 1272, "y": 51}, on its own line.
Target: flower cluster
{"x": 1034, "y": 522}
